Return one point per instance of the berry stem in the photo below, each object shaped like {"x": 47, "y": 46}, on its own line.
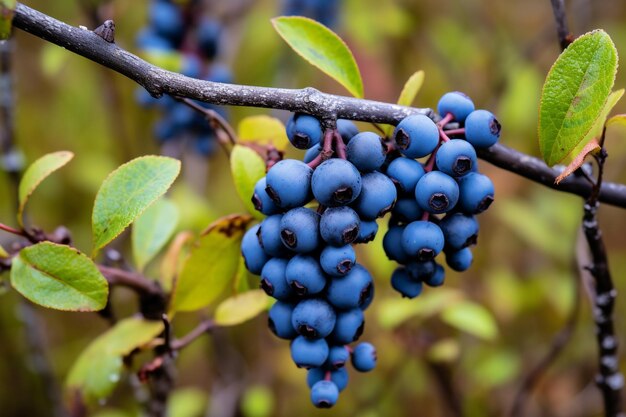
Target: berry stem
{"x": 340, "y": 147}
{"x": 442, "y": 136}
{"x": 447, "y": 119}
{"x": 327, "y": 376}
{"x": 430, "y": 162}
{"x": 459, "y": 131}
{"x": 9, "y": 229}
{"x": 425, "y": 216}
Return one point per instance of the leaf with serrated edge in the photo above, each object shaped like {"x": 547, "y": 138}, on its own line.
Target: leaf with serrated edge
{"x": 127, "y": 192}
{"x": 152, "y": 230}
{"x": 411, "y": 87}
{"x": 322, "y": 48}
{"x": 247, "y": 167}
{"x": 590, "y": 147}
{"x": 36, "y": 173}
{"x": 98, "y": 368}
{"x": 241, "y": 307}
{"x": 574, "y": 94}
{"x": 211, "y": 265}
{"x": 471, "y": 318}
{"x": 59, "y": 277}
{"x": 263, "y": 130}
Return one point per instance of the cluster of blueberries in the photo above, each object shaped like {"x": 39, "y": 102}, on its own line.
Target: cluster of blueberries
{"x": 179, "y": 28}
{"x": 324, "y": 11}
{"x": 304, "y": 254}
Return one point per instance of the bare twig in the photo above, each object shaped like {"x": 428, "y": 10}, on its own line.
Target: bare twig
{"x": 202, "y": 328}
{"x": 560, "y": 17}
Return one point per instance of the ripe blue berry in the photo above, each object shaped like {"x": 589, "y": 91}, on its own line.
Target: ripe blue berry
{"x": 437, "y": 278}
{"x": 405, "y": 172}
{"x": 367, "y": 231}
{"x": 337, "y": 356}
{"x": 299, "y": 230}
{"x": 348, "y": 327}
{"x": 352, "y": 290}
{"x": 304, "y": 131}
{"x": 457, "y": 103}
{"x": 167, "y": 21}
{"x": 416, "y": 136}
{"x": 420, "y": 271}
{"x": 406, "y": 210}
{"x": 422, "y": 239}
{"x": 482, "y": 129}
{"x": 279, "y": 320}
{"x": 253, "y": 254}
{"x": 208, "y": 36}
{"x": 366, "y": 151}
{"x": 313, "y": 318}
{"x": 289, "y": 183}
{"x": 312, "y": 153}
{"x": 304, "y": 275}
{"x": 309, "y": 353}
{"x": 476, "y": 193}
{"x": 337, "y": 261}
{"x": 273, "y": 280}
{"x": 324, "y": 394}
{"x": 377, "y": 197}
{"x": 391, "y": 246}
{"x": 402, "y": 282}
{"x": 347, "y": 129}
{"x": 338, "y": 376}
{"x": 336, "y": 182}
{"x": 269, "y": 236}
{"x": 339, "y": 226}
{"x": 456, "y": 158}
{"x": 364, "y": 357}
{"x": 459, "y": 230}
{"x": 262, "y": 202}
{"x": 460, "y": 260}
{"x": 436, "y": 192}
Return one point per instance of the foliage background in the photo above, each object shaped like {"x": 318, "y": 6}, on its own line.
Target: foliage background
{"x": 524, "y": 272}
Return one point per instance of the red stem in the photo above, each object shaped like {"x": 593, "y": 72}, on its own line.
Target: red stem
{"x": 11, "y": 230}
{"x": 459, "y": 131}
{"x": 447, "y": 119}
{"x": 442, "y": 136}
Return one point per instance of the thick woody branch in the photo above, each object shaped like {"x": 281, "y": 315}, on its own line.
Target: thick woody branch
{"x": 325, "y": 106}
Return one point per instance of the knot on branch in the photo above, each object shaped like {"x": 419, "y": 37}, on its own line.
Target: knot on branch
{"x": 106, "y": 31}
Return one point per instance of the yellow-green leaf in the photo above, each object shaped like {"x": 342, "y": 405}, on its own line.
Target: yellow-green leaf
{"x": 471, "y": 318}
{"x": 152, "y": 230}
{"x": 322, "y": 48}
{"x": 393, "y": 312}
{"x": 211, "y": 265}
{"x": 171, "y": 61}
{"x": 98, "y": 369}
{"x": 187, "y": 402}
{"x": 172, "y": 260}
{"x": 3, "y": 252}
{"x": 247, "y": 167}
{"x": 263, "y": 130}
{"x": 407, "y": 96}
{"x": 36, "y": 173}
{"x": 7, "y": 9}
{"x": 590, "y": 147}
{"x": 129, "y": 191}
{"x": 241, "y": 307}
{"x": 444, "y": 351}
{"x": 59, "y": 277}
{"x": 618, "y": 119}
{"x": 574, "y": 94}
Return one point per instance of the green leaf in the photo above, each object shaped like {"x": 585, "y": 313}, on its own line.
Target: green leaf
{"x": 187, "y": 402}
{"x": 618, "y": 119}
{"x": 258, "y": 401}
{"x": 3, "y": 252}
{"x": 263, "y": 130}
{"x": 129, "y": 191}
{"x": 444, "y": 351}
{"x": 241, "y": 307}
{"x": 590, "y": 147}
{"x": 211, "y": 265}
{"x": 152, "y": 230}
{"x": 36, "y": 173}
{"x": 574, "y": 94}
{"x": 172, "y": 260}
{"x": 393, "y": 312}
{"x": 247, "y": 168}
{"x": 7, "y": 10}
{"x": 59, "y": 277}
{"x": 322, "y": 48}
{"x": 411, "y": 88}
{"x": 471, "y": 318}
{"x": 98, "y": 369}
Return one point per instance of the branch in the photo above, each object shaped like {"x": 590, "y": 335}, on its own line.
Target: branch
{"x": 565, "y": 37}
{"x": 309, "y": 100}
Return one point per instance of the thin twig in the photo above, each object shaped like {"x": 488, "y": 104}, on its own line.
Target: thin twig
{"x": 202, "y": 328}
{"x": 132, "y": 280}
{"x": 560, "y": 17}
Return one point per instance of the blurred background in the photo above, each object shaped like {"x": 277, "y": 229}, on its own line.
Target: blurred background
{"x": 522, "y": 286}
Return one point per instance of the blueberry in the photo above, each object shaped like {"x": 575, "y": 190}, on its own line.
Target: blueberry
{"x": 182, "y": 116}
{"x": 324, "y": 394}
{"x": 208, "y": 36}
{"x": 337, "y": 261}
{"x": 459, "y": 230}
{"x": 262, "y": 202}
{"x": 422, "y": 239}
{"x": 304, "y": 275}
{"x": 339, "y": 226}
{"x": 482, "y": 129}
{"x": 437, "y": 278}
{"x": 456, "y": 158}
{"x": 205, "y": 145}
{"x": 279, "y": 320}
{"x": 299, "y": 230}
{"x": 392, "y": 247}
{"x": 402, "y": 282}
{"x": 313, "y": 318}
{"x": 459, "y": 260}
{"x": 367, "y": 231}
{"x": 377, "y": 197}
{"x": 366, "y": 151}
{"x": 437, "y": 192}
{"x": 336, "y": 182}
{"x": 406, "y": 210}
{"x": 347, "y": 129}
{"x": 457, "y": 103}
{"x": 289, "y": 183}
{"x": 338, "y": 376}
{"x": 420, "y": 270}
{"x": 304, "y": 131}
{"x": 144, "y": 98}
{"x": 337, "y": 356}
{"x": 476, "y": 193}
{"x": 312, "y": 153}
{"x": 150, "y": 40}
{"x": 253, "y": 254}
{"x": 364, "y": 357}
{"x": 273, "y": 280}
{"x": 352, "y": 290}
{"x": 219, "y": 73}
{"x": 348, "y": 327}
{"x": 165, "y": 130}
{"x": 416, "y": 136}
{"x": 191, "y": 67}
{"x": 269, "y": 236}
{"x": 167, "y": 21}
{"x": 405, "y": 172}
{"x": 309, "y": 353}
